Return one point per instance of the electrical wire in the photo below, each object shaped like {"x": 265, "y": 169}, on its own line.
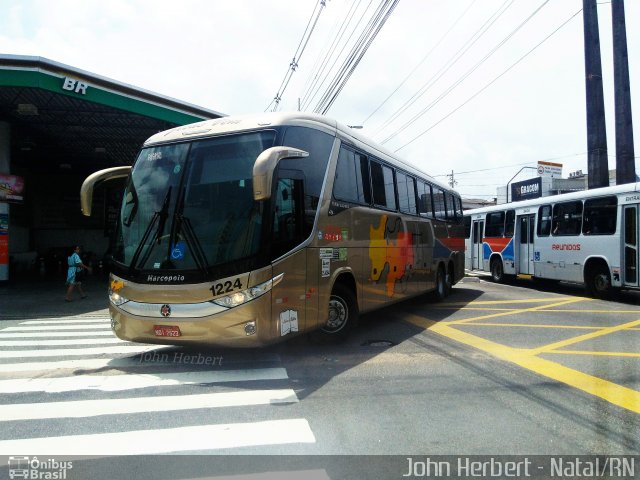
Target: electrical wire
{"x": 489, "y": 84}
{"x": 472, "y": 40}
{"x": 375, "y": 24}
{"x": 298, "y": 54}
{"x": 466, "y": 75}
{"x": 424, "y": 59}
{"x": 311, "y": 93}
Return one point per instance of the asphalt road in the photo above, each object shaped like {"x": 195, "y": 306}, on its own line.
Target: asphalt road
{"x": 493, "y": 370}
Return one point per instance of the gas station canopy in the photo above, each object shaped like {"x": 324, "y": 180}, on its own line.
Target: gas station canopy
{"x": 63, "y": 118}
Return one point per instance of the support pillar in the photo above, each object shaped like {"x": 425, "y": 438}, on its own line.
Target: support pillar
{"x": 598, "y": 162}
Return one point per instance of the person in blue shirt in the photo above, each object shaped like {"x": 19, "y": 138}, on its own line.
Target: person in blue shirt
{"x": 75, "y": 265}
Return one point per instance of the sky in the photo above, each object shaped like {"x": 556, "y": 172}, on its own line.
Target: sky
{"x": 481, "y": 88}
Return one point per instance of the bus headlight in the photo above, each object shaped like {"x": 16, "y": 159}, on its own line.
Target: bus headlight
{"x": 238, "y": 298}
{"x": 116, "y": 298}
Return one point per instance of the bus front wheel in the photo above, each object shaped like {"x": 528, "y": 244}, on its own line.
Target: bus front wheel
{"x": 342, "y": 313}
{"x": 497, "y": 270}
{"x": 442, "y": 284}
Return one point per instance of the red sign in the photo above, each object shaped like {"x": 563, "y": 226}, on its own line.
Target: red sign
{"x": 4, "y": 250}
{"x": 11, "y": 188}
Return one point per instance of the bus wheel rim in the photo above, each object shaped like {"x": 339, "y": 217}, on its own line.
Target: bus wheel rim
{"x": 338, "y": 315}
{"x": 601, "y": 282}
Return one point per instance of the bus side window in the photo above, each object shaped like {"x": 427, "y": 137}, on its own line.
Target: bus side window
{"x": 544, "y": 221}
{"x": 467, "y": 227}
{"x": 439, "y": 204}
{"x": 494, "y": 226}
{"x": 352, "y": 178}
{"x": 425, "y": 206}
{"x": 459, "y": 209}
{"x": 383, "y": 184}
{"x": 406, "y": 193}
{"x": 567, "y": 218}
{"x": 509, "y": 224}
{"x": 600, "y": 216}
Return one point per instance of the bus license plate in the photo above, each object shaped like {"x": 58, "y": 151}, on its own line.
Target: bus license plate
{"x": 166, "y": 331}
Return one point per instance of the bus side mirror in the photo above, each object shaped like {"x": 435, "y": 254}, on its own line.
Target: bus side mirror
{"x": 266, "y": 164}
{"x": 86, "y": 190}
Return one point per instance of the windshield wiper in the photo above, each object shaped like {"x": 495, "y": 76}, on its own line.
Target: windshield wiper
{"x": 192, "y": 241}
{"x": 162, "y": 216}
{"x": 164, "y": 213}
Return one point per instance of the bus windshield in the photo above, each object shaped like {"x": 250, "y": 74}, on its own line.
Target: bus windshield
{"x": 190, "y": 205}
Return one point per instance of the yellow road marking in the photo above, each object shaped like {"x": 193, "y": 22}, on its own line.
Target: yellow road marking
{"x": 624, "y": 397}
{"x": 521, "y": 310}
{"x": 500, "y": 302}
{"x": 613, "y": 393}
{"x": 587, "y": 336}
{"x": 529, "y": 325}
{"x": 602, "y": 354}
{"x": 479, "y": 309}
{"x": 555, "y": 310}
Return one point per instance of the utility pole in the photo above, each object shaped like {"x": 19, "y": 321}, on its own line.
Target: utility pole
{"x": 452, "y": 180}
{"x": 598, "y": 165}
{"x": 625, "y": 161}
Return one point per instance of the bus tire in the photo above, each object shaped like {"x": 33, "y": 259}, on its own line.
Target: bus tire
{"x": 497, "y": 270}
{"x": 441, "y": 291}
{"x": 598, "y": 281}
{"x": 342, "y": 312}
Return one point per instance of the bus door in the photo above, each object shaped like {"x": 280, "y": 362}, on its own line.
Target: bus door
{"x": 630, "y": 260}
{"x": 476, "y": 245}
{"x": 524, "y": 243}
{"x": 289, "y": 295}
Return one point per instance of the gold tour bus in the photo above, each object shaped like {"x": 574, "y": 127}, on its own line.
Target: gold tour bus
{"x": 244, "y": 231}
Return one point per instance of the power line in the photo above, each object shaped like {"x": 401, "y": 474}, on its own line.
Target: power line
{"x": 513, "y": 165}
{"x": 466, "y": 75}
{"x": 296, "y": 56}
{"x": 449, "y": 64}
{"x": 356, "y": 54}
{"x": 311, "y": 92}
{"x": 488, "y": 84}
{"x": 424, "y": 59}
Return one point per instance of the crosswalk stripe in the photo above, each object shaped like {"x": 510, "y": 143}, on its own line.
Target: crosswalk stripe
{"x": 48, "y": 328}
{"x": 113, "y": 383}
{"x": 121, "y": 406}
{"x": 181, "y": 439}
{"x": 74, "y": 341}
{"x": 56, "y": 334}
{"x": 84, "y": 364}
{"x": 77, "y": 352}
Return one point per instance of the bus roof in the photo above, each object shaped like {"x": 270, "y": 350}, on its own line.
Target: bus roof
{"x": 563, "y": 197}
{"x": 241, "y": 123}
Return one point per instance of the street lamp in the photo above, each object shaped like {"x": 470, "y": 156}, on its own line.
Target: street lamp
{"x": 518, "y": 173}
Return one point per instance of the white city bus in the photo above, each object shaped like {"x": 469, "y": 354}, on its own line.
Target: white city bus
{"x": 243, "y": 231}
{"x": 588, "y": 237}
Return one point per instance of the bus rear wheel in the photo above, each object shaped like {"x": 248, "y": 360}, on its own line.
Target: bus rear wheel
{"x": 598, "y": 282}
{"x": 342, "y": 312}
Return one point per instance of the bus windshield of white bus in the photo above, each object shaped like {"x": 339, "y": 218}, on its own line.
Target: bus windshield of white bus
{"x": 190, "y": 206}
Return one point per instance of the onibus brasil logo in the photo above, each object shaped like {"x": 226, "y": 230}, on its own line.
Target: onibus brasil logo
{"x": 33, "y": 468}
